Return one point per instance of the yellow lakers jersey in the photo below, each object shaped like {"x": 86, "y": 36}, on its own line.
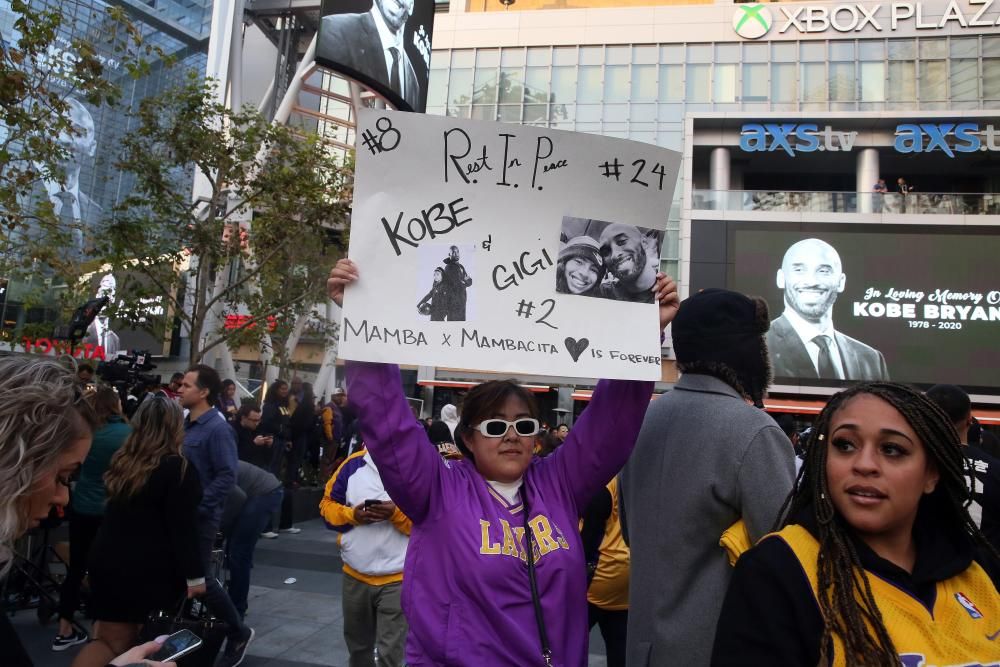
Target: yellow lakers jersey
{"x": 962, "y": 629}
{"x": 609, "y": 588}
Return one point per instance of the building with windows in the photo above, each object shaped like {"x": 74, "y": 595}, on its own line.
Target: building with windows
{"x": 855, "y": 91}
{"x": 172, "y": 29}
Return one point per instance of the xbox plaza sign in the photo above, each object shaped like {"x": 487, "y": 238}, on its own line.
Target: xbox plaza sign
{"x": 753, "y": 20}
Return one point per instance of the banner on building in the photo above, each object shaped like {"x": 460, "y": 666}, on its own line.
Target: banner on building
{"x": 851, "y": 302}
{"x": 384, "y": 44}
{"x": 506, "y": 248}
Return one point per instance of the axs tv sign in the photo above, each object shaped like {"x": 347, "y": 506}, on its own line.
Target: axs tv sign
{"x": 794, "y": 138}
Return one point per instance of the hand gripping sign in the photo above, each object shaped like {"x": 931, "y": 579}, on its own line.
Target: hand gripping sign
{"x": 505, "y": 248}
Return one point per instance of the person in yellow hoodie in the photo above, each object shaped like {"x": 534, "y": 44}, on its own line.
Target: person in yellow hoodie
{"x": 877, "y": 562}
{"x": 607, "y": 558}
{"x": 374, "y": 535}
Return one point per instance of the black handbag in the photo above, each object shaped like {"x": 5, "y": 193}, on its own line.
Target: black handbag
{"x": 209, "y": 629}
{"x": 543, "y": 635}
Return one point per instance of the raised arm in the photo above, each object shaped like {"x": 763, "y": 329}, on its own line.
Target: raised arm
{"x": 408, "y": 463}
{"x": 602, "y": 439}
{"x": 605, "y": 435}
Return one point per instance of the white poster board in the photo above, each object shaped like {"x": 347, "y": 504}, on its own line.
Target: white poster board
{"x": 505, "y": 248}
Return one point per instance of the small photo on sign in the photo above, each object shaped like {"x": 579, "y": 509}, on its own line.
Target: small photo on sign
{"x": 607, "y": 260}
{"x": 444, "y": 282}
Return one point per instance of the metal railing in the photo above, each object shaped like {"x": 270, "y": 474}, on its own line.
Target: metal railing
{"x": 939, "y": 203}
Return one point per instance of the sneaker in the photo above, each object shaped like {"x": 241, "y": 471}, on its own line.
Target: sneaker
{"x": 61, "y": 643}
{"x": 291, "y": 531}
{"x": 269, "y": 535}
{"x": 235, "y": 652}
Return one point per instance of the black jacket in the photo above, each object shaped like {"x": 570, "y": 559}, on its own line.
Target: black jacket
{"x": 770, "y": 615}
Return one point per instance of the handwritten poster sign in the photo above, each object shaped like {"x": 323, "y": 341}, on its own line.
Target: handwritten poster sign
{"x": 505, "y": 248}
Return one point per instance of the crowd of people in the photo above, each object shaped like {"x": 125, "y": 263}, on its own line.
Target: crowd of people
{"x": 688, "y": 529}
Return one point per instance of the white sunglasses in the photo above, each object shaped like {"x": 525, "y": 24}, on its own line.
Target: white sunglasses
{"x": 497, "y": 428}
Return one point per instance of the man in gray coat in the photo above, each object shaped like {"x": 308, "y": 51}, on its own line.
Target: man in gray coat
{"x": 706, "y": 457}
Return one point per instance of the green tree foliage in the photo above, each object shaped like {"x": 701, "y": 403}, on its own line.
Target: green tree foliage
{"x": 257, "y": 245}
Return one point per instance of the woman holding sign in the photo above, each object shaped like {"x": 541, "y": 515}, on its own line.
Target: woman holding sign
{"x": 495, "y": 571}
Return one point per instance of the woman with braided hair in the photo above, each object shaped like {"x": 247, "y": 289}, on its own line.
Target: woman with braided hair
{"x": 877, "y": 562}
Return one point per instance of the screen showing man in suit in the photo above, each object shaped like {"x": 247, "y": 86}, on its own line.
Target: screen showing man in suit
{"x": 919, "y": 304}
{"x": 802, "y": 340}
{"x": 383, "y": 44}
{"x": 80, "y": 213}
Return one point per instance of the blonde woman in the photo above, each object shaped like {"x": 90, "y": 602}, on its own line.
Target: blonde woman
{"x": 45, "y": 434}
{"x": 145, "y": 556}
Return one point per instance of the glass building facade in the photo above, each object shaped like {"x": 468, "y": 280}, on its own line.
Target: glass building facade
{"x": 177, "y": 28}
{"x": 643, "y": 91}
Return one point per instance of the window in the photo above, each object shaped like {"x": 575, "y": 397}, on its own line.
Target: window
{"x": 933, "y": 81}
{"x": 965, "y": 79}
{"x": 699, "y": 53}
{"x": 724, "y": 83}
{"x": 871, "y": 50}
{"x": 588, "y": 84}
{"x": 672, "y": 53}
{"x": 563, "y": 84}
{"x": 902, "y": 82}
{"x": 967, "y": 47}
{"x": 727, "y": 53}
{"x": 617, "y": 55}
{"x": 671, "y": 83}
{"x": 460, "y": 92}
{"x": 511, "y": 87}
{"x": 536, "y": 84}
{"x": 933, "y": 48}
{"x": 485, "y": 86}
{"x": 564, "y": 55}
{"x": 644, "y": 55}
{"x": 812, "y": 52}
{"x": 437, "y": 88}
{"x": 698, "y": 87}
{"x": 813, "y": 82}
{"x": 784, "y": 86}
{"x": 461, "y": 59}
{"x": 538, "y": 55}
{"x": 755, "y": 53}
{"x": 902, "y": 49}
{"x": 843, "y": 87}
{"x": 991, "y": 47}
{"x": 842, "y": 51}
{"x": 991, "y": 79}
{"x": 488, "y": 58}
{"x": 643, "y": 83}
{"x": 512, "y": 58}
{"x": 784, "y": 52}
{"x": 616, "y": 86}
{"x": 873, "y": 82}
{"x": 754, "y": 83}
{"x": 591, "y": 55}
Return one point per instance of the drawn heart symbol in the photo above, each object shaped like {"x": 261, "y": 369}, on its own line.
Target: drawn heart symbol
{"x": 576, "y": 347}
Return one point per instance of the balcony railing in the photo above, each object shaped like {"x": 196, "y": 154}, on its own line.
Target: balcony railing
{"x": 931, "y": 203}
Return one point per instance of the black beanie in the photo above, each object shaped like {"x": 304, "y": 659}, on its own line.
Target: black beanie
{"x": 717, "y": 326}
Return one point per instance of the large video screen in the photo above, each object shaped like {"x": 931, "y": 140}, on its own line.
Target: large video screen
{"x": 849, "y": 302}
{"x": 384, "y": 44}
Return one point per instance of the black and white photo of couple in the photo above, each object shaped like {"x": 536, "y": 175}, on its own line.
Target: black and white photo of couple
{"x": 607, "y": 260}
{"x": 447, "y": 300}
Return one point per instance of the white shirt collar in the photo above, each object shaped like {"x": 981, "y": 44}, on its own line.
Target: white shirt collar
{"x": 385, "y": 34}
{"x": 507, "y": 490}
{"x": 805, "y": 329}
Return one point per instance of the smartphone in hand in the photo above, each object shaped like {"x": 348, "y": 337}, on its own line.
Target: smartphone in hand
{"x": 177, "y": 646}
